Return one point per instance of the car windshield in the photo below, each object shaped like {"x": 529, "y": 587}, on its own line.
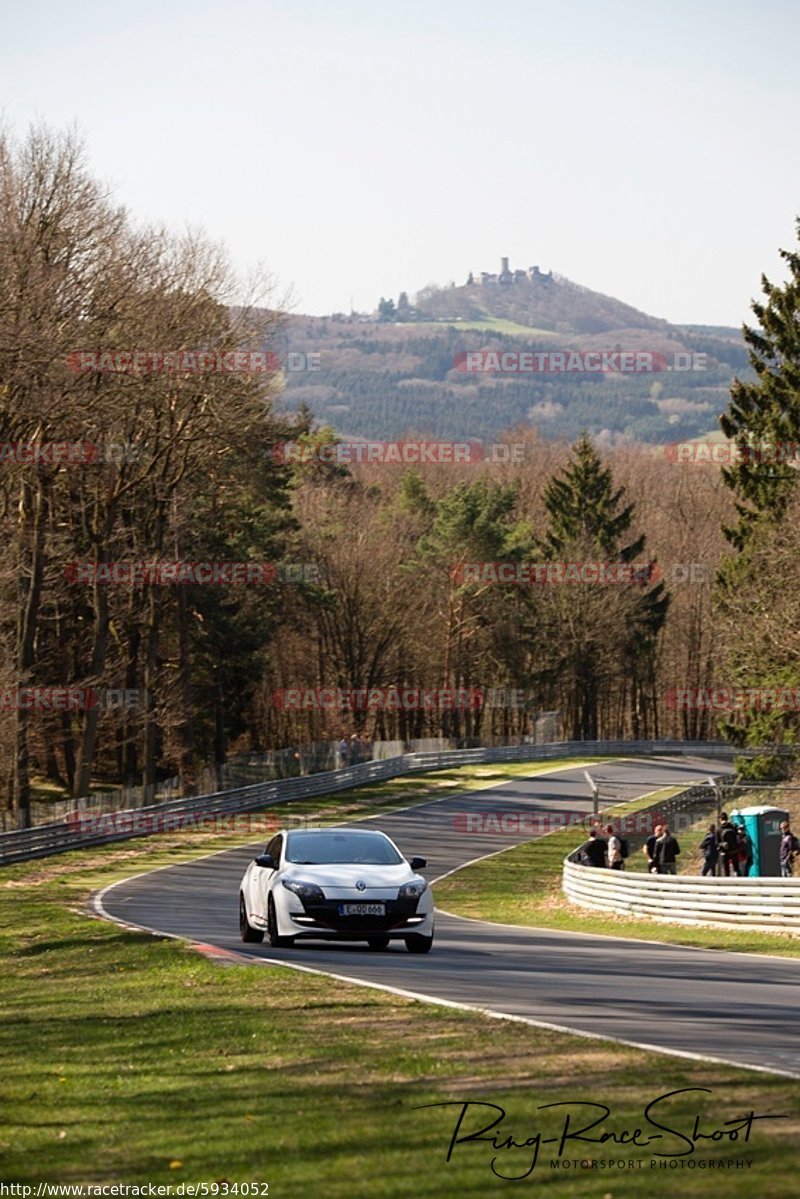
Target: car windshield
{"x": 324, "y": 849}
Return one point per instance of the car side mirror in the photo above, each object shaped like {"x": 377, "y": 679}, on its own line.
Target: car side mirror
{"x": 265, "y": 860}
{"x": 418, "y": 863}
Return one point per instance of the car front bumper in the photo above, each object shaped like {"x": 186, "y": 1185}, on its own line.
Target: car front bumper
{"x": 326, "y": 920}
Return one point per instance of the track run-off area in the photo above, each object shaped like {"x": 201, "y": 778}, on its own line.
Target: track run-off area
{"x": 736, "y": 1008}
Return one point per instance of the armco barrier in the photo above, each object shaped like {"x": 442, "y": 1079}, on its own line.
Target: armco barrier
{"x": 23, "y": 844}
{"x": 755, "y": 904}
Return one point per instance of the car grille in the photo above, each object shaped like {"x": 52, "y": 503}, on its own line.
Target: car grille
{"x": 327, "y": 914}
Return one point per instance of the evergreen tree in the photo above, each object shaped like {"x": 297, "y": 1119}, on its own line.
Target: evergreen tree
{"x": 473, "y": 522}
{"x": 386, "y": 310}
{"x": 600, "y": 638}
{"x": 582, "y": 506}
{"x": 763, "y": 419}
{"x": 766, "y": 412}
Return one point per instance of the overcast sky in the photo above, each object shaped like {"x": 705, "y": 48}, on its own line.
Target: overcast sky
{"x": 648, "y": 150}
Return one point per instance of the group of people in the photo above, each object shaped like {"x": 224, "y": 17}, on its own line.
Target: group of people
{"x": 609, "y": 850}
{"x": 661, "y": 849}
{"x": 354, "y": 749}
{"x": 730, "y": 848}
{"x": 727, "y": 850}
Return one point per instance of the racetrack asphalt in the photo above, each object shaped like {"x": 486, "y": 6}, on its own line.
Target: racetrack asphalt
{"x": 730, "y": 1007}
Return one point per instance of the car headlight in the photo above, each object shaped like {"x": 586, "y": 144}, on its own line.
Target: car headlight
{"x": 412, "y": 890}
{"x": 308, "y": 892}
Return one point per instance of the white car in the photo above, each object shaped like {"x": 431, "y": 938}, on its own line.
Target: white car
{"x": 335, "y": 884}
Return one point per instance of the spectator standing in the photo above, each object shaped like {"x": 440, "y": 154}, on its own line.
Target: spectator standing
{"x": 344, "y": 752}
{"x": 667, "y": 850}
{"x": 709, "y": 847}
{"x": 615, "y": 859}
{"x": 593, "y": 851}
{"x": 745, "y": 848}
{"x": 789, "y": 847}
{"x": 728, "y": 846}
{"x": 649, "y": 847}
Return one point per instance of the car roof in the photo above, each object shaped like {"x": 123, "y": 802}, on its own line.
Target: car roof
{"x": 337, "y": 828}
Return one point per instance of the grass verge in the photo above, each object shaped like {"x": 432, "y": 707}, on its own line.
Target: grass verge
{"x": 128, "y": 1058}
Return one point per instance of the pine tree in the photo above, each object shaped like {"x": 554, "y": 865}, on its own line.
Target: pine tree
{"x": 386, "y": 310}
{"x": 601, "y": 638}
{"x": 582, "y": 505}
{"x": 763, "y": 417}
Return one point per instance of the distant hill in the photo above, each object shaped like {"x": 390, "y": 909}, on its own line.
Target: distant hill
{"x": 382, "y": 377}
{"x": 537, "y": 300}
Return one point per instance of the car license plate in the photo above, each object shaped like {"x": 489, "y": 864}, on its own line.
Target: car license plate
{"x": 362, "y": 909}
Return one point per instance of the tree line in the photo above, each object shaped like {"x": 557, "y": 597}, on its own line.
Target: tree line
{"x": 365, "y": 586}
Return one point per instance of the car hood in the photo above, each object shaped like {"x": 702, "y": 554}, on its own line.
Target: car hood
{"x": 347, "y": 874}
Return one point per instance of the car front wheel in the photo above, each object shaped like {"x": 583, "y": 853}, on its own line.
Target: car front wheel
{"x": 416, "y": 943}
{"x": 276, "y": 941}
{"x": 246, "y": 930}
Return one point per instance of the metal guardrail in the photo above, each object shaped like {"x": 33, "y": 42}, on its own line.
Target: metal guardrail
{"x": 751, "y": 904}
{"x": 85, "y": 830}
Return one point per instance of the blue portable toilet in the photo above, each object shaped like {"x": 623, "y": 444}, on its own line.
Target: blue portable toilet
{"x": 763, "y": 826}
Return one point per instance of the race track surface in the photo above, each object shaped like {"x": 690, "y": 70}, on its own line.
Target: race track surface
{"x": 731, "y": 1007}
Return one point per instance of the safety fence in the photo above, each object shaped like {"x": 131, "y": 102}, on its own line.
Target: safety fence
{"x": 77, "y": 829}
{"x": 251, "y": 767}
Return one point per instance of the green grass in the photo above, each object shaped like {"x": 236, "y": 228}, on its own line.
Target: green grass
{"x": 128, "y": 1058}
{"x": 522, "y": 886}
{"x": 46, "y": 791}
{"x": 421, "y": 788}
{"x": 492, "y": 324}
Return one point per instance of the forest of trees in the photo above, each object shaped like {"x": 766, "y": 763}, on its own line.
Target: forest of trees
{"x": 378, "y": 380}
{"x": 368, "y": 589}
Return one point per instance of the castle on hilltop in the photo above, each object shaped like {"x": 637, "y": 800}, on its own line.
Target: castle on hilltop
{"x": 505, "y": 276}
